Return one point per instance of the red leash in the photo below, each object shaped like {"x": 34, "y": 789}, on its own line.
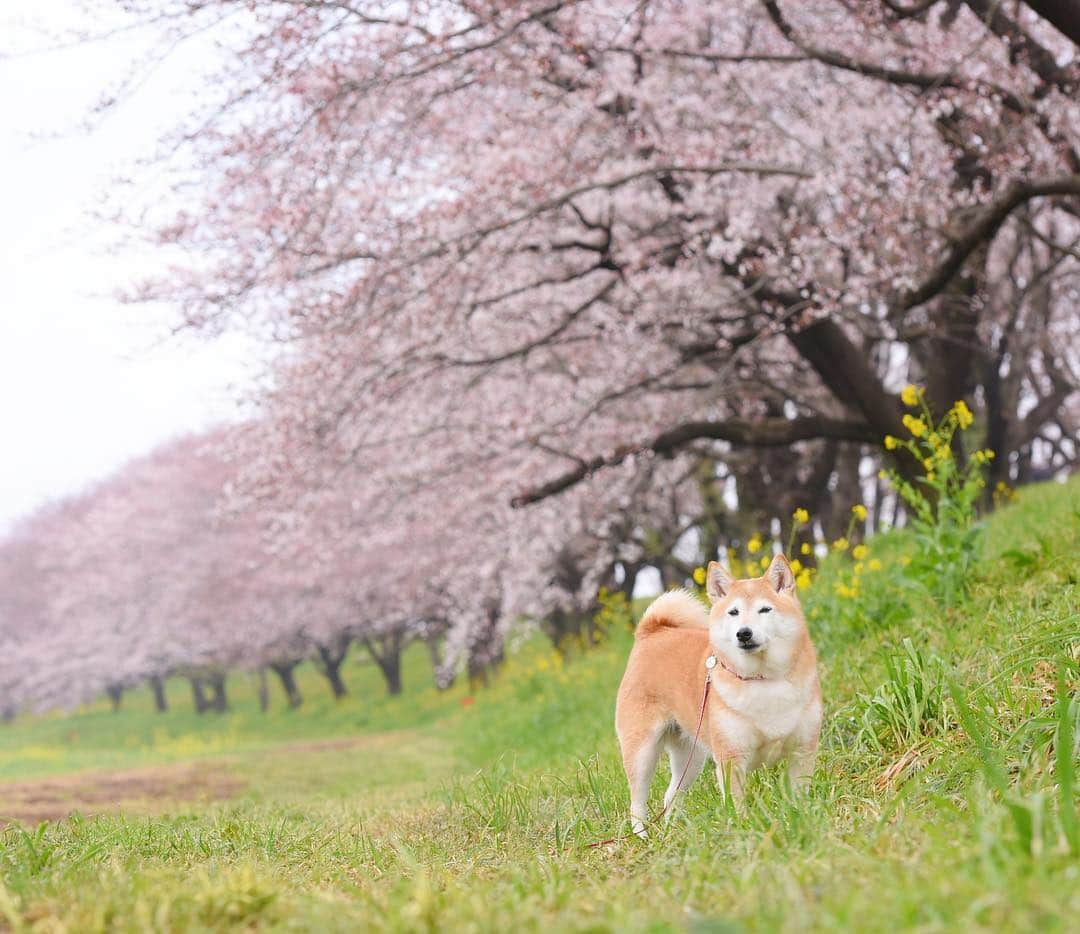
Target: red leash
{"x": 686, "y": 768}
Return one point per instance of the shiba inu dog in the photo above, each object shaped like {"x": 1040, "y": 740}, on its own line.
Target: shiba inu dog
{"x": 764, "y": 703}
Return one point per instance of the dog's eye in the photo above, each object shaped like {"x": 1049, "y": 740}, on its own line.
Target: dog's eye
{"x": 734, "y": 611}
{"x": 765, "y": 609}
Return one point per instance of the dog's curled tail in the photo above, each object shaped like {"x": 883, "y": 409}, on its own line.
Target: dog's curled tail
{"x": 676, "y": 609}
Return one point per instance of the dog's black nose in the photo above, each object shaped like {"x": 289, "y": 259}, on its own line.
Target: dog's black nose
{"x": 745, "y": 634}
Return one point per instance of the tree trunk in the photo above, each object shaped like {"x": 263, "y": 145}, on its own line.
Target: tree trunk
{"x": 284, "y": 671}
{"x": 263, "y": 691}
{"x": 219, "y": 702}
{"x": 331, "y": 658}
{"x": 157, "y": 685}
{"x": 443, "y": 680}
{"x": 198, "y": 694}
{"x": 386, "y": 652}
{"x": 478, "y": 676}
{"x": 116, "y": 694}
{"x": 390, "y": 666}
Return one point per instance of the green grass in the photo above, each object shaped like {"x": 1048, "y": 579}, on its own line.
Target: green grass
{"x": 945, "y": 797}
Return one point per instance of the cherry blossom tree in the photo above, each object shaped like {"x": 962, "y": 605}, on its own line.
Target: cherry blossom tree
{"x": 562, "y": 289}
{"x": 570, "y": 233}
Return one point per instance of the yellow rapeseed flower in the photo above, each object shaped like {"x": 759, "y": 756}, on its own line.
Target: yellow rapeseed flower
{"x": 859, "y": 552}
{"x": 699, "y": 576}
{"x": 841, "y": 544}
{"x": 910, "y": 395}
{"x": 962, "y": 414}
{"x": 801, "y": 516}
{"x": 754, "y": 545}
{"x": 805, "y": 548}
{"x": 915, "y": 425}
{"x": 890, "y": 443}
{"x": 860, "y": 511}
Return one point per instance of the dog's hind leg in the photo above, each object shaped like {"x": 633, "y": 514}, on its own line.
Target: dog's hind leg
{"x": 640, "y": 754}
{"x": 687, "y": 760}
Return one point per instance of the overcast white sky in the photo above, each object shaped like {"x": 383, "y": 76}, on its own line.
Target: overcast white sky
{"x": 85, "y": 382}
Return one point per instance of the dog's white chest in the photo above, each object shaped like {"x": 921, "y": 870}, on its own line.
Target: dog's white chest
{"x": 770, "y": 712}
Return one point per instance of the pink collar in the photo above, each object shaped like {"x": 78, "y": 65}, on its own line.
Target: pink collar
{"x": 717, "y": 660}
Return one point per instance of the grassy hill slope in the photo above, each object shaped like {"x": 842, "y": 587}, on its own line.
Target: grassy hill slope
{"x": 945, "y": 795}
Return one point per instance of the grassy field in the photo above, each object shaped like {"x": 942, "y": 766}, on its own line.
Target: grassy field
{"x": 945, "y": 797}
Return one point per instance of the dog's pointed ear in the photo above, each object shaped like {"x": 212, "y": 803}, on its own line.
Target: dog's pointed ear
{"x": 718, "y": 581}
{"x": 780, "y": 576}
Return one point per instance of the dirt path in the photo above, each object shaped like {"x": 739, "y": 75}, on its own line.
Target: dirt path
{"x": 154, "y": 789}
{"x": 142, "y": 791}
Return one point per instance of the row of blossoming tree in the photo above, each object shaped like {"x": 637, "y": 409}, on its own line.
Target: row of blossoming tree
{"x": 565, "y": 290}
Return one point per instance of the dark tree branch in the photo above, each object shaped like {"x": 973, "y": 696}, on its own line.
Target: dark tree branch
{"x": 1022, "y": 46}
{"x": 925, "y": 80}
{"x": 906, "y": 12}
{"x": 766, "y": 432}
{"x": 848, "y": 373}
{"x": 981, "y": 230}
{"x": 1064, "y": 15}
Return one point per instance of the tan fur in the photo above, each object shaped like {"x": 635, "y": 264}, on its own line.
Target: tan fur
{"x": 748, "y": 723}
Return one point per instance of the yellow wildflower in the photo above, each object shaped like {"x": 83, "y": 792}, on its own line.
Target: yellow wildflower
{"x": 841, "y": 544}
{"x": 859, "y": 552}
{"x": 962, "y": 414}
{"x": 915, "y": 425}
{"x": 754, "y": 545}
{"x": 860, "y": 511}
{"x": 874, "y": 564}
{"x": 765, "y": 562}
{"x": 910, "y": 395}
{"x": 803, "y": 579}
{"x": 699, "y": 576}
{"x": 796, "y": 565}
{"x": 890, "y": 443}
{"x": 858, "y": 567}
{"x": 805, "y": 548}
{"x": 801, "y": 516}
